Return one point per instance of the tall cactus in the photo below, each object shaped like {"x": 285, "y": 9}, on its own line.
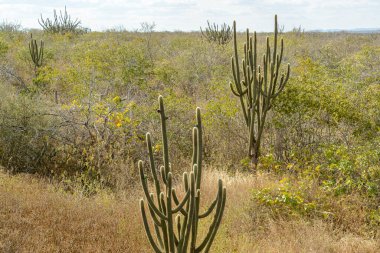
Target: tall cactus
{"x": 37, "y": 54}
{"x": 179, "y": 234}
{"x": 213, "y": 34}
{"x": 259, "y": 85}
{"x": 61, "y": 24}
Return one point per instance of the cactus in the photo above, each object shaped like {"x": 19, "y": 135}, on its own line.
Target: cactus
{"x": 213, "y": 34}
{"x": 259, "y": 85}
{"x": 36, "y": 53}
{"x": 179, "y": 234}
{"x": 62, "y": 24}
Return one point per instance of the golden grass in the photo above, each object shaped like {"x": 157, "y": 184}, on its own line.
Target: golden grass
{"x": 34, "y": 217}
{"x": 37, "y": 217}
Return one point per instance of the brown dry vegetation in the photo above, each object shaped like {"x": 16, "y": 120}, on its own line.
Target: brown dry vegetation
{"x": 38, "y": 216}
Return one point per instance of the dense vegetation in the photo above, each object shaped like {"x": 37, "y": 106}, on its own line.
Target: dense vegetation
{"x": 80, "y": 118}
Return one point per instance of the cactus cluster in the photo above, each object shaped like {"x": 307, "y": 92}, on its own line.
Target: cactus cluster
{"x": 37, "y": 54}
{"x": 213, "y": 34}
{"x": 259, "y": 85}
{"x": 61, "y": 24}
{"x": 175, "y": 220}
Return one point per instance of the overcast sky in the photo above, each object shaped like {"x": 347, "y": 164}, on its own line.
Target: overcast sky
{"x": 187, "y": 15}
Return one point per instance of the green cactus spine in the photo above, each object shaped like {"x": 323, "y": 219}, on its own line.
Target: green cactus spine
{"x": 179, "y": 234}
{"x": 259, "y": 85}
{"x": 37, "y": 54}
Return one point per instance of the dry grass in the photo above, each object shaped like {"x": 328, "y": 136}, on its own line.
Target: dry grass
{"x": 36, "y": 217}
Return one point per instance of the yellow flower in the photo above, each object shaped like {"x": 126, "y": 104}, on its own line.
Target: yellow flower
{"x": 116, "y": 99}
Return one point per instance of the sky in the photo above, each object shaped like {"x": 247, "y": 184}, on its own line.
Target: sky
{"x": 189, "y": 15}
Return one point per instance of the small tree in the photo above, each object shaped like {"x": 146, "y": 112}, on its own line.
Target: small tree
{"x": 259, "y": 85}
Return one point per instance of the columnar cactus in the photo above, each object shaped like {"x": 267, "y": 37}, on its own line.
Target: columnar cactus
{"x": 36, "y": 53}
{"x": 259, "y": 85}
{"x": 62, "y": 24}
{"x": 175, "y": 220}
{"x": 213, "y": 34}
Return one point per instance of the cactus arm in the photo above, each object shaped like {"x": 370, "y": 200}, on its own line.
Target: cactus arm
{"x": 195, "y": 145}
{"x": 182, "y": 245}
{"x": 31, "y": 50}
{"x": 158, "y": 234}
{"x": 163, "y": 175}
{"x": 194, "y": 231}
{"x": 183, "y": 202}
{"x": 176, "y": 201}
{"x": 190, "y": 213}
{"x": 237, "y": 81}
{"x": 198, "y": 176}
{"x": 233, "y": 91}
{"x": 186, "y": 181}
{"x": 146, "y": 192}
{"x": 164, "y": 224}
{"x": 274, "y": 58}
{"x": 157, "y": 224}
{"x": 199, "y": 148}
{"x": 207, "y": 241}
{"x": 179, "y": 225}
{"x": 184, "y": 228}
{"x": 219, "y": 219}
{"x": 251, "y": 136}
{"x": 265, "y": 69}
{"x": 284, "y": 80}
{"x": 164, "y": 135}
{"x": 169, "y": 212}
{"x": 154, "y": 217}
{"x": 245, "y": 82}
{"x": 41, "y": 56}
{"x": 249, "y": 92}
{"x": 236, "y": 73}
{"x": 147, "y": 229}
{"x": 209, "y": 210}
{"x": 153, "y": 168}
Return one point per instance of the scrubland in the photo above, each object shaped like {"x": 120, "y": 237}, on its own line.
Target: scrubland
{"x": 72, "y": 131}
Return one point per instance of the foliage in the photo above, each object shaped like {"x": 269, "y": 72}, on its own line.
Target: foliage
{"x": 286, "y": 200}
